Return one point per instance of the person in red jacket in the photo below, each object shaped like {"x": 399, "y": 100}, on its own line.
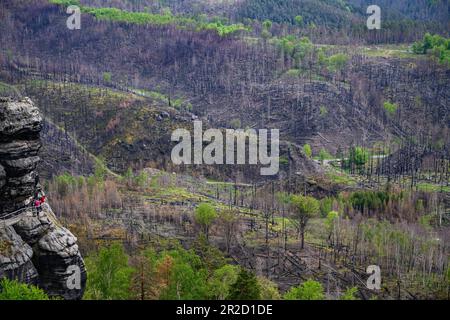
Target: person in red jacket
{"x": 38, "y": 202}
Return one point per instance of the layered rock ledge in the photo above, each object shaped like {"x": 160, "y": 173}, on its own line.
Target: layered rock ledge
{"x": 34, "y": 247}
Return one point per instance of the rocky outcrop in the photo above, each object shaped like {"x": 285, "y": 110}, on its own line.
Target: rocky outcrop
{"x": 34, "y": 247}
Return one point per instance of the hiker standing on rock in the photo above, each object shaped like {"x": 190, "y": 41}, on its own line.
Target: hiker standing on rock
{"x": 39, "y": 201}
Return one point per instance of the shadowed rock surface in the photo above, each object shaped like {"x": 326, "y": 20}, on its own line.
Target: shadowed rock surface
{"x": 34, "y": 247}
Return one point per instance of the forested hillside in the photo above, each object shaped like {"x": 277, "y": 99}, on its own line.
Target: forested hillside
{"x": 364, "y": 118}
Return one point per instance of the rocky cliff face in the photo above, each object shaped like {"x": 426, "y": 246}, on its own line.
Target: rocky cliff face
{"x": 34, "y": 247}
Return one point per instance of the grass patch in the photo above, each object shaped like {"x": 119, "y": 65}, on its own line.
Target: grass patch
{"x": 341, "y": 178}
{"x": 429, "y": 187}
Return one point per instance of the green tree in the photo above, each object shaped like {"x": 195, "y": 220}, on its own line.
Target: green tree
{"x": 326, "y": 205}
{"x": 309, "y": 290}
{"x": 14, "y": 290}
{"x": 141, "y": 179}
{"x": 205, "y": 214}
{"x": 337, "y": 62}
{"x": 299, "y": 20}
{"x": 302, "y": 49}
{"x": 358, "y": 157}
{"x": 109, "y": 276}
{"x": 269, "y": 289}
{"x": 391, "y": 108}
{"x": 304, "y": 208}
{"x": 267, "y": 25}
{"x": 307, "y": 150}
{"x": 100, "y": 170}
{"x": 220, "y": 282}
{"x": 331, "y": 223}
{"x": 187, "y": 277}
{"x": 107, "y": 77}
{"x": 323, "y": 155}
{"x": 246, "y": 287}
{"x": 211, "y": 256}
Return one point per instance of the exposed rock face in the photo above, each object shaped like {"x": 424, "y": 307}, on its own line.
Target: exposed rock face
{"x": 34, "y": 247}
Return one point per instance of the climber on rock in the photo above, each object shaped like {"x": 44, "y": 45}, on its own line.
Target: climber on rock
{"x": 38, "y": 202}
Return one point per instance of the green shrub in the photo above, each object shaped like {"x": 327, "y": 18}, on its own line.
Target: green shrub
{"x": 246, "y": 287}
{"x": 391, "y": 108}
{"x": 14, "y": 290}
{"x": 109, "y": 275}
{"x": 309, "y": 290}
{"x": 307, "y": 150}
{"x": 437, "y": 45}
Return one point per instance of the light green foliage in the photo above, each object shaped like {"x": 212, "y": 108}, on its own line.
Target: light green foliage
{"x": 437, "y": 45}
{"x": 324, "y": 155}
{"x": 299, "y": 20}
{"x": 381, "y": 234}
{"x": 337, "y": 62}
{"x": 307, "y": 150}
{"x": 100, "y": 170}
{"x": 246, "y": 287}
{"x": 269, "y": 289}
{"x": 107, "y": 77}
{"x": 350, "y": 294}
{"x": 165, "y": 18}
{"x": 141, "y": 179}
{"x": 302, "y": 48}
{"x": 305, "y": 207}
{"x": 109, "y": 276}
{"x": 426, "y": 221}
{"x": 220, "y": 282}
{"x": 267, "y": 25}
{"x": 284, "y": 160}
{"x": 14, "y": 290}
{"x": 65, "y": 183}
{"x": 293, "y": 73}
{"x": 321, "y": 57}
{"x": 358, "y": 157}
{"x": 180, "y": 274}
{"x": 283, "y": 197}
{"x": 205, "y": 214}
{"x": 330, "y": 220}
{"x": 309, "y": 290}
{"x": 187, "y": 277}
{"x": 223, "y": 30}
{"x": 326, "y": 205}
{"x": 391, "y": 108}
{"x": 298, "y": 49}
{"x": 128, "y": 176}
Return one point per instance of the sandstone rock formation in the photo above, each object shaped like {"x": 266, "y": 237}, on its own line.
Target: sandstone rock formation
{"x": 34, "y": 247}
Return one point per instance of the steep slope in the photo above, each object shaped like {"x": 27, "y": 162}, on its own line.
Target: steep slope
{"x": 221, "y": 80}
